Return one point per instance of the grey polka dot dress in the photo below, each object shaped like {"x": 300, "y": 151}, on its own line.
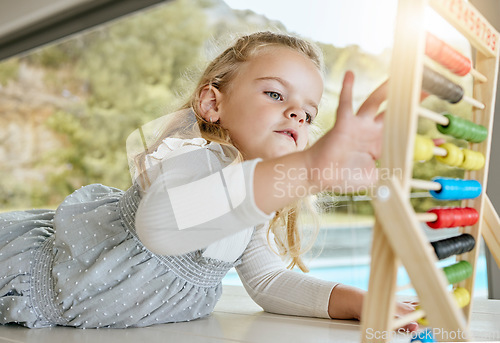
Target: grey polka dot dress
{"x": 83, "y": 266}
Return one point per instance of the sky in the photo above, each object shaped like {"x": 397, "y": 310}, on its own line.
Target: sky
{"x": 366, "y": 23}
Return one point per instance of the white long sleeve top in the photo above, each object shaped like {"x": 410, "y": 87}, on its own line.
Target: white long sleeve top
{"x": 198, "y": 199}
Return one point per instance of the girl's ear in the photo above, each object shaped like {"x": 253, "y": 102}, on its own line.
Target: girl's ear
{"x": 209, "y": 102}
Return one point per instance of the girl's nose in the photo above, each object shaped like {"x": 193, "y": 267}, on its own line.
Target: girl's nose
{"x": 298, "y": 115}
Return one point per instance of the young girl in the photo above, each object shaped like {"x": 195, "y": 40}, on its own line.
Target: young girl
{"x": 229, "y": 169}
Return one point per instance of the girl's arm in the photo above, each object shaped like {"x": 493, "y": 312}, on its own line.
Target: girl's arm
{"x": 195, "y": 200}
{"x": 277, "y": 289}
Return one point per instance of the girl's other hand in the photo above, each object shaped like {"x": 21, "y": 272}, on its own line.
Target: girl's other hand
{"x": 346, "y": 302}
{"x": 404, "y": 308}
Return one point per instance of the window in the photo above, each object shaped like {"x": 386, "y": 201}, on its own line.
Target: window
{"x": 67, "y": 108}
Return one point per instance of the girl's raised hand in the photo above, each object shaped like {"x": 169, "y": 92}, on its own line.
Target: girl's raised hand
{"x": 343, "y": 159}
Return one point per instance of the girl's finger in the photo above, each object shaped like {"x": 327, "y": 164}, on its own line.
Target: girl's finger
{"x": 372, "y": 103}
{"x": 423, "y": 95}
{"x": 411, "y": 327}
{"x": 345, "y": 98}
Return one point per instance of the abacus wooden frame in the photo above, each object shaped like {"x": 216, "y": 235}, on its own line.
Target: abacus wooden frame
{"x": 397, "y": 235}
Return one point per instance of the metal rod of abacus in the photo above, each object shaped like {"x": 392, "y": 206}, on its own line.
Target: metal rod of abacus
{"x": 424, "y": 184}
{"x": 426, "y": 217}
{"x": 436, "y": 117}
{"x": 473, "y": 102}
{"x": 477, "y": 75}
{"x": 411, "y": 317}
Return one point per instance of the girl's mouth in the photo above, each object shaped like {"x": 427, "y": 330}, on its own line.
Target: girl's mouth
{"x": 289, "y": 133}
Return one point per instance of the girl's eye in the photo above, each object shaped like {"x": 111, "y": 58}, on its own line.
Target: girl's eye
{"x": 309, "y": 118}
{"x": 275, "y": 95}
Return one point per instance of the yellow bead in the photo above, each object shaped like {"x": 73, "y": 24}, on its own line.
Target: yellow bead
{"x": 422, "y": 321}
{"x": 454, "y": 155}
{"x": 424, "y": 148}
{"x": 462, "y": 296}
{"x": 473, "y": 160}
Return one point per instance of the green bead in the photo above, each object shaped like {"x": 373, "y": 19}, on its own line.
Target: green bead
{"x": 458, "y": 272}
{"x": 448, "y": 129}
{"x": 463, "y": 129}
{"x": 480, "y": 134}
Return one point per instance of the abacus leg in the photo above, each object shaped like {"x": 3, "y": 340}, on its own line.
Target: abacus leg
{"x": 378, "y": 307}
{"x": 491, "y": 229}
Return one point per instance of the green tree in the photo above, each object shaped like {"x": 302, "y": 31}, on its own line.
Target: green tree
{"x": 133, "y": 71}
{"x": 8, "y": 70}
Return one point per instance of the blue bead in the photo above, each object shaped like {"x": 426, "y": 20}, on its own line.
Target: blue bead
{"x": 456, "y": 189}
{"x": 424, "y": 336}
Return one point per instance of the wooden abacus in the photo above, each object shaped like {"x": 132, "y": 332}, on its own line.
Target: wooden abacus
{"x": 398, "y": 237}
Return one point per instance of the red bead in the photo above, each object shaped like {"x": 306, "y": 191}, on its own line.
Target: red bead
{"x": 452, "y": 217}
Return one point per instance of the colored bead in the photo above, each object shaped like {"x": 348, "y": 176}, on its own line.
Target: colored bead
{"x": 452, "y": 217}
{"x": 423, "y": 149}
{"x": 454, "y": 155}
{"x": 463, "y": 158}
{"x": 462, "y": 296}
{"x": 437, "y": 84}
{"x": 453, "y": 246}
{"x": 456, "y": 189}
{"x": 458, "y": 272}
{"x": 424, "y": 336}
{"x": 447, "y": 56}
{"x": 473, "y": 160}
{"x": 463, "y": 129}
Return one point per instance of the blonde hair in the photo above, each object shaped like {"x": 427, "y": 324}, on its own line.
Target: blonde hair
{"x": 219, "y": 74}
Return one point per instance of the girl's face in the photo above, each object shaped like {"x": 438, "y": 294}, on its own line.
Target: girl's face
{"x": 271, "y": 102}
